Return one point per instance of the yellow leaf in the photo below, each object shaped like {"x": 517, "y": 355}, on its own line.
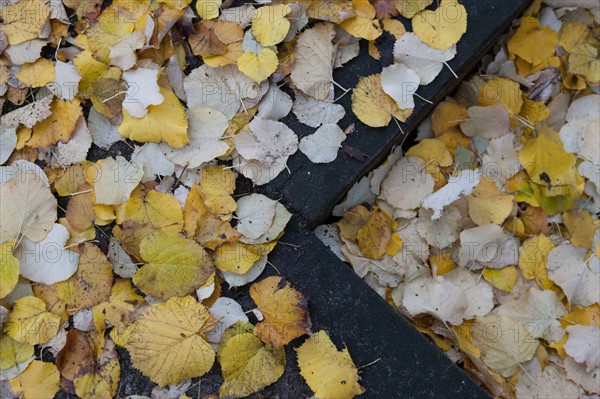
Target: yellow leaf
{"x": 55, "y": 305}
{"x": 532, "y": 259}
{"x": 573, "y": 34}
{"x": 80, "y": 212}
{"x": 159, "y": 210}
{"x": 57, "y": 127}
{"x": 442, "y": 262}
{"x": 39, "y": 380}
{"x": 232, "y": 35}
{"x": 587, "y": 316}
{"x": 167, "y": 343}
{"x": 501, "y": 90}
{"x": 331, "y": 10}
{"x": 375, "y": 235}
{"x": 103, "y": 381}
{"x": 446, "y": 116}
{"x": 285, "y": 311}
{"x": 114, "y": 23}
{"x": 175, "y": 266}
{"x": 90, "y": 285}
{"x": 165, "y": 122}
{"x": 372, "y": 106}
{"x": 248, "y": 365}
{"x": 270, "y": 25}
{"x": 13, "y": 352}
{"x": 488, "y": 205}
{"x": 216, "y": 186}
{"x": 258, "y": 66}
{"x": 503, "y": 279}
{"x": 443, "y": 27}
{"x": 409, "y": 8}
{"x": 364, "y": 24}
{"x": 118, "y": 311}
{"x": 547, "y": 163}
{"x": 235, "y": 257}
{"x": 208, "y": 9}
{"x": 433, "y": 152}
{"x": 328, "y": 372}
{"x": 532, "y": 42}
{"x": 90, "y": 70}
{"x": 581, "y": 228}
{"x": 393, "y": 27}
{"x": 9, "y": 270}
{"x": 394, "y": 246}
{"x": 534, "y": 111}
{"x": 179, "y": 4}
{"x": 353, "y": 220}
{"x": 30, "y": 323}
{"x": 24, "y": 20}
{"x": 37, "y": 74}
{"x": 584, "y": 61}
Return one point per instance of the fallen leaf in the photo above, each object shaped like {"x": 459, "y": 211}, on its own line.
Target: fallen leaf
{"x": 312, "y": 71}
{"x": 182, "y": 345}
{"x": 284, "y": 309}
{"x": 577, "y": 275}
{"x": 248, "y": 365}
{"x": 114, "y": 180}
{"x": 258, "y": 66}
{"x": 372, "y": 106}
{"x": 400, "y": 83}
{"x": 255, "y": 214}
{"x": 582, "y": 345}
{"x": 502, "y": 350}
{"x": 270, "y": 25}
{"x": 39, "y": 380}
{"x": 30, "y": 323}
{"x": 47, "y": 261}
{"x": 175, "y": 266}
{"x": 9, "y": 270}
{"x": 443, "y": 27}
{"x": 323, "y": 145}
{"x": 364, "y": 24}
{"x": 328, "y": 372}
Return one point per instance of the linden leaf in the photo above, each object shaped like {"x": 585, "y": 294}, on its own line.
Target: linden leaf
{"x": 248, "y": 365}
{"x": 532, "y": 259}
{"x": 36, "y": 74}
{"x": 47, "y": 261}
{"x": 235, "y": 257}
{"x": 39, "y": 380}
{"x": 174, "y": 354}
{"x": 373, "y": 106}
{"x": 27, "y": 207}
{"x": 410, "y": 8}
{"x": 284, "y": 309}
{"x": 400, "y": 82}
{"x": 532, "y": 42}
{"x": 58, "y": 127}
{"x": 206, "y": 128}
{"x": 363, "y": 25}
{"x": 504, "y": 343}
{"x": 24, "y": 20}
{"x": 216, "y": 186}
{"x": 375, "y": 235}
{"x": 13, "y": 352}
{"x": 583, "y": 60}
{"x": 30, "y": 323}
{"x": 90, "y": 285}
{"x": 443, "y": 27}
{"x": 487, "y": 204}
{"x": 312, "y": 71}
{"x": 103, "y": 380}
{"x": 328, "y": 372}
{"x": 255, "y": 214}
{"x": 270, "y": 25}
{"x": 160, "y": 211}
{"x": 323, "y": 145}
{"x": 165, "y": 122}
{"x": 114, "y": 180}
{"x": 547, "y": 162}
{"x": 258, "y": 66}
{"x": 425, "y": 60}
{"x": 175, "y": 266}
{"x": 331, "y": 10}
{"x": 9, "y": 272}
{"x": 208, "y": 9}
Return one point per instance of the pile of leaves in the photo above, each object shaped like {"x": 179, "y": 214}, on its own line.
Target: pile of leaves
{"x": 117, "y": 207}
{"x": 485, "y": 233}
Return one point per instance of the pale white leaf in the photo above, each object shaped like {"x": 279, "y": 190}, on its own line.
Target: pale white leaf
{"x": 401, "y": 83}
{"x": 255, "y": 214}
{"x": 142, "y": 91}
{"x": 457, "y": 186}
{"x": 47, "y": 261}
{"x": 323, "y": 145}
